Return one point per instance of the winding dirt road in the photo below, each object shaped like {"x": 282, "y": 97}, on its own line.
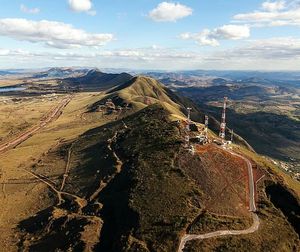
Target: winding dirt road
{"x": 54, "y": 113}
{"x": 252, "y": 208}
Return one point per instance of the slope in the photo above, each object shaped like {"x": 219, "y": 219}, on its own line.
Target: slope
{"x": 130, "y": 185}
{"x": 113, "y": 173}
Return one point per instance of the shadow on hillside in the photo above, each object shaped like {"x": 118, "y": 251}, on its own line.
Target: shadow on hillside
{"x": 277, "y": 136}
{"x": 287, "y": 203}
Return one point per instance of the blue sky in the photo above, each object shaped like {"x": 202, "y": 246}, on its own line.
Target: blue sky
{"x": 151, "y": 34}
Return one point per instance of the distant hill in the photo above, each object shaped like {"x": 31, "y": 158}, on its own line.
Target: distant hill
{"x": 97, "y": 80}
{"x": 58, "y": 72}
{"x": 2, "y": 72}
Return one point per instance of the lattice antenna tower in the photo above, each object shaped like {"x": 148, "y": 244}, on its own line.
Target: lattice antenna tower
{"x": 223, "y": 120}
{"x": 206, "y": 127}
{"x": 189, "y": 119}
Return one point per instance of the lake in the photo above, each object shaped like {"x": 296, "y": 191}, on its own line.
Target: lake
{"x": 11, "y": 89}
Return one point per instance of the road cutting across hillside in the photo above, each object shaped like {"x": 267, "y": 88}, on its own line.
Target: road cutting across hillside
{"x": 252, "y": 208}
{"x": 54, "y": 113}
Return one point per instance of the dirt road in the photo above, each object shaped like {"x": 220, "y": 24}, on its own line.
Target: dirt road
{"x": 252, "y": 208}
{"x": 54, "y": 113}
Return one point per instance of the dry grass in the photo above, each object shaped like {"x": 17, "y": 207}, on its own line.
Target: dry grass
{"x": 20, "y": 196}
{"x": 147, "y": 88}
{"x": 221, "y": 177}
{"x": 19, "y": 114}
{"x": 272, "y": 169}
{"x": 9, "y": 82}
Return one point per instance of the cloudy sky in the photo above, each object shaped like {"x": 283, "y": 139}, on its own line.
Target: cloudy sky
{"x": 151, "y": 34}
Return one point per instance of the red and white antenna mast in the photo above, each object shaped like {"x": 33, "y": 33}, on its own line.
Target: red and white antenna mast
{"x": 223, "y": 120}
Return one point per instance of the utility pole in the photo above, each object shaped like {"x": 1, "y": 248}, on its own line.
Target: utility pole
{"x": 187, "y": 137}
{"x": 232, "y": 136}
{"x": 223, "y": 121}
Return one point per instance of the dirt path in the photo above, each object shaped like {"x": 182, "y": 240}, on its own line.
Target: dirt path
{"x": 67, "y": 168}
{"x": 53, "y": 114}
{"x": 118, "y": 166}
{"x": 252, "y": 208}
{"x": 80, "y": 201}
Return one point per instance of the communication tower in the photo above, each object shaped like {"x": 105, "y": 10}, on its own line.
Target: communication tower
{"x": 223, "y": 121}
{"x": 206, "y": 127}
{"x": 192, "y": 150}
{"x": 189, "y": 119}
{"x": 187, "y": 141}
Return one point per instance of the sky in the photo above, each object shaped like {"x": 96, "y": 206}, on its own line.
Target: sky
{"x": 151, "y": 34}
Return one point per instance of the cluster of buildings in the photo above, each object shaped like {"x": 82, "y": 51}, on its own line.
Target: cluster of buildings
{"x": 110, "y": 108}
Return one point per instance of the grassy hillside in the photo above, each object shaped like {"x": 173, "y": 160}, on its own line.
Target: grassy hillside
{"x": 137, "y": 204}
{"x": 141, "y": 91}
{"x": 110, "y": 181}
{"x": 131, "y": 187}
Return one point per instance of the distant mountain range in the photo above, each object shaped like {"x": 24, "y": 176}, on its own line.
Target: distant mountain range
{"x": 227, "y": 77}
{"x": 58, "y": 72}
{"x": 2, "y": 72}
{"x": 95, "y": 79}
{"x": 238, "y": 76}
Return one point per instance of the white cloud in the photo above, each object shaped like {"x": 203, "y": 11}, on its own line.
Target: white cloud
{"x": 138, "y": 54}
{"x": 273, "y": 6}
{"x": 202, "y": 38}
{"x": 281, "y": 53}
{"x": 51, "y": 33}
{"x": 169, "y": 12}
{"x": 271, "y": 48}
{"x": 25, "y": 9}
{"x": 82, "y": 6}
{"x": 232, "y": 32}
{"x": 225, "y": 32}
{"x": 16, "y": 52}
{"x": 280, "y": 13}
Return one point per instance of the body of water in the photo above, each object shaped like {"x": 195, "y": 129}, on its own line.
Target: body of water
{"x": 11, "y": 89}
